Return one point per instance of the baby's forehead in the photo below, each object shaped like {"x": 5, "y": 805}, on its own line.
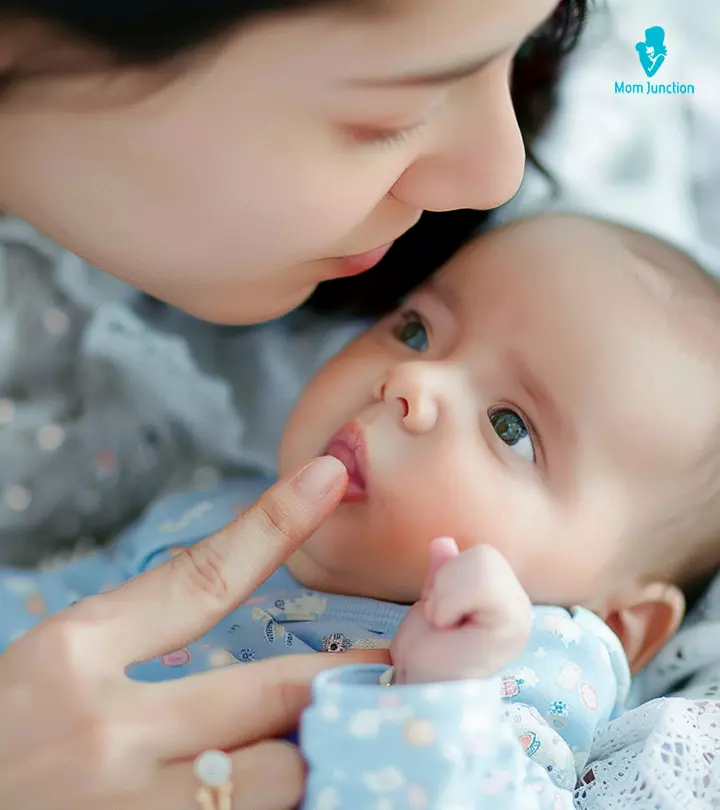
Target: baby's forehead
{"x": 550, "y": 252}
{"x": 579, "y": 254}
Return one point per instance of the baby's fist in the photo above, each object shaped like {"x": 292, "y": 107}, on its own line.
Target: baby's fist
{"x": 474, "y": 617}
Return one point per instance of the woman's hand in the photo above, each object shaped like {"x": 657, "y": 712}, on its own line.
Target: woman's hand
{"x": 76, "y": 733}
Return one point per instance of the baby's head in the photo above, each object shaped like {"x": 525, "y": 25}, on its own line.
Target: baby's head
{"x": 553, "y": 392}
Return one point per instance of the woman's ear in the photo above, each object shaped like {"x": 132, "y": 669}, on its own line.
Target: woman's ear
{"x": 644, "y": 618}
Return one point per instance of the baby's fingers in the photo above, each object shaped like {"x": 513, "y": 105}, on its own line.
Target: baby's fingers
{"x": 478, "y": 587}
{"x": 461, "y": 653}
{"x": 442, "y": 550}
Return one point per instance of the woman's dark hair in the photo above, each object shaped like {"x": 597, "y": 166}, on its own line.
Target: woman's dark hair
{"x": 146, "y": 32}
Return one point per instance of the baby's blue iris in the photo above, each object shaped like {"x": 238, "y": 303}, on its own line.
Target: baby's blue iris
{"x": 414, "y": 335}
{"x": 510, "y": 427}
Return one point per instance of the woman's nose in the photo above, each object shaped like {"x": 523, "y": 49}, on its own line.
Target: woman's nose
{"x": 412, "y": 391}
{"x": 478, "y": 158}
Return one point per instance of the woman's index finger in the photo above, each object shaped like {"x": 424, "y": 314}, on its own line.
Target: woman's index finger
{"x": 177, "y": 602}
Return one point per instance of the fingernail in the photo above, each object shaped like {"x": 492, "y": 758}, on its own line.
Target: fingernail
{"x": 321, "y": 477}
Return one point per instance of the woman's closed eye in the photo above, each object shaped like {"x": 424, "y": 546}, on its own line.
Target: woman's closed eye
{"x": 375, "y": 137}
{"x": 411, "y": 331}
{"x": 515, "y": 431}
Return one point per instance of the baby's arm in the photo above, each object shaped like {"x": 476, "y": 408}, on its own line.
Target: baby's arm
{"x": 454, "y": 742}
{"x": 473, "y": 618}
{"x": 434, "y": 747}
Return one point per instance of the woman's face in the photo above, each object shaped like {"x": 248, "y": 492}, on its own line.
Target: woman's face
{"x": 304, "y": 139}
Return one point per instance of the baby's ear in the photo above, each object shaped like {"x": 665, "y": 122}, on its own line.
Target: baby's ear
{"x": 644, "y": 618}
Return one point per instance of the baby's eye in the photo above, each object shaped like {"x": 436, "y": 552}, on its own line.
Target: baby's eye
{"x": 511, "y": 428}
{"x": 412, "y": 332}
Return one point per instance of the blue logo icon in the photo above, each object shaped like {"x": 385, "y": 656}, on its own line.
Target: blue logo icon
{"x": 652, "y": 51}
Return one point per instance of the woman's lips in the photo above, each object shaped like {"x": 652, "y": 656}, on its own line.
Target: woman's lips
{"x": 348, "y": 446}
{"x": 354, "y": 265}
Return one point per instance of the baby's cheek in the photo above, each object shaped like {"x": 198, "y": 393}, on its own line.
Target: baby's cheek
{"x": 422, "y": 507}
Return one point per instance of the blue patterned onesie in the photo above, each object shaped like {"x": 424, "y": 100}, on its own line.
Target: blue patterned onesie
{"x": 368, "y": 746}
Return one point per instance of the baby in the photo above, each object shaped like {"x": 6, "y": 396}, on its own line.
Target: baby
{"x": 528, "y": 401}
{"x": 553, "y": 393}
{"x": 549, "y": 400}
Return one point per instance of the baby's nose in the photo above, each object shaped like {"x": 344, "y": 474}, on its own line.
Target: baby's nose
{"x": 410, "y": 389}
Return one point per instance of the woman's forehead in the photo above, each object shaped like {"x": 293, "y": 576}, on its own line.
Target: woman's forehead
{"x": 435, "y": 36}
{"x": 447, "y": 13}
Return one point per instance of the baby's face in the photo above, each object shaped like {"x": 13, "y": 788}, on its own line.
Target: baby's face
{"x": 531, "y": 397}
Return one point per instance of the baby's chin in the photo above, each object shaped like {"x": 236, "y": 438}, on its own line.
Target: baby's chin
{"x": 379, "y": 582}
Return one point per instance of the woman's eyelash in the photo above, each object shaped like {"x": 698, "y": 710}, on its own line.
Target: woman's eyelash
{"x": 391, "y": 137}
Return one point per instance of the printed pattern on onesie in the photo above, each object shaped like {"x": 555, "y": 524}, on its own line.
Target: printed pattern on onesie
{"x": 572, "y": 679}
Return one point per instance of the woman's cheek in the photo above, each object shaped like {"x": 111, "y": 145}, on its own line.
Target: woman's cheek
{"x": 327, "y": 207}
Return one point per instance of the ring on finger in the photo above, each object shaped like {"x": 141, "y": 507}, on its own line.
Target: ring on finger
{"x": 214, "y": 770}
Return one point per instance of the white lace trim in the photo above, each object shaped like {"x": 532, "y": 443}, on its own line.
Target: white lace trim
{"x": 663, "y": 756}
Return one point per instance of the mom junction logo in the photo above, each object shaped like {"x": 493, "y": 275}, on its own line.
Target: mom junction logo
{"x": 652, "y": 54}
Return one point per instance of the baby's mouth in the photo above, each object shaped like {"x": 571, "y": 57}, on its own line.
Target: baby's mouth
{"x": 348, "y": 446}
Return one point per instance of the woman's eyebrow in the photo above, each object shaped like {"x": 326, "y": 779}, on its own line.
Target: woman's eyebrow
{"x": 441, "y": 76}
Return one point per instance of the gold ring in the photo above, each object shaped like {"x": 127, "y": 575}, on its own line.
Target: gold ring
{"x": 214, "y": 770}
{"x": 388, "y": 677}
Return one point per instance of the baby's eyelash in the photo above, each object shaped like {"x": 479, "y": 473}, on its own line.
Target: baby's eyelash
{"x": 534, "y": 436}
{"x": 406, "y": 316}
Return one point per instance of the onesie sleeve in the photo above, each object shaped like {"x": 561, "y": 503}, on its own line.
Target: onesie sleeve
{"x": 409, "y": 747}
{"x": 571, "y": 681}
{"x": 516, "y": 741}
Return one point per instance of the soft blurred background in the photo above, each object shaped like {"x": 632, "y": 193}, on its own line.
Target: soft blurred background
{"x": 650, "y": 161}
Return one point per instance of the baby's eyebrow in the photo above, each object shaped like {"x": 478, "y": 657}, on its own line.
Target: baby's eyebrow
{"x": 542, "y": 397}
{"x": 444, "y": 293}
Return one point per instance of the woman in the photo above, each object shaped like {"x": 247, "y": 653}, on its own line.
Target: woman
{"x": 227, "y": 158}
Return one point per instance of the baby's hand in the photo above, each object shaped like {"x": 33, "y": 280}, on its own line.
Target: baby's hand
{"x": 473, "y": 618}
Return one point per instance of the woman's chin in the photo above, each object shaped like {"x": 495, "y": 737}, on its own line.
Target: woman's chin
{"x": 235, "y": 310}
